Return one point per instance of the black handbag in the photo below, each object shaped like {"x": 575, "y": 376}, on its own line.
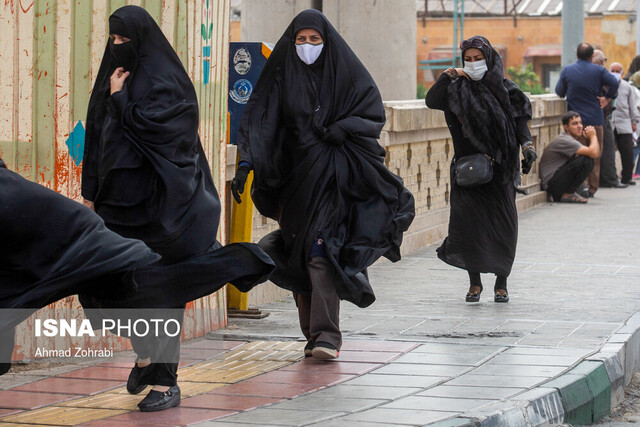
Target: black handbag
{"x": 473, "y": 170}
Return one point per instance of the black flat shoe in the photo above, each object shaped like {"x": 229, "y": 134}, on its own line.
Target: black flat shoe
{"x": 159, "y": 401}
{"x": 501, "y": 297}
{"x": 135, "y": 385}
{"x": 473, "y": 296}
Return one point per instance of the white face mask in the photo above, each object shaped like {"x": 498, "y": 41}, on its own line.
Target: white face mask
{"x": 618, "y": 76}
{"x": 308, "y": 52}
{"x": 475, "y": 70}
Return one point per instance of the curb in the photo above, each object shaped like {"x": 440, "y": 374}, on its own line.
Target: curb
{"x": 583, "y": 395}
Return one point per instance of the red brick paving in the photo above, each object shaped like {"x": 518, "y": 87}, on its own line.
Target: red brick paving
{"x": 25, "y": 400}
{"x": 227, "y": 402}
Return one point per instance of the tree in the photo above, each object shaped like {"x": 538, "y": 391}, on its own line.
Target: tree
{"x": 526, "y": 79}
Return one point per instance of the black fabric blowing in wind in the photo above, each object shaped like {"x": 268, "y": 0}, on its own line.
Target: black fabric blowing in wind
{"x": 53, "y": 247}
{"x": 344, "y": 194}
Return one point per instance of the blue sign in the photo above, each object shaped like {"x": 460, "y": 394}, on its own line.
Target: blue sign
{"x": 246, "y": 61}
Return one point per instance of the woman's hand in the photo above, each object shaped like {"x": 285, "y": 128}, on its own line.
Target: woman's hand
{"x": 454, "y": 73}
{"x": 116, "y": 81}
{"x": 89, "y": 204}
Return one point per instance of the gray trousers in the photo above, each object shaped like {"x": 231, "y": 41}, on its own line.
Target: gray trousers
{"x": 319, "y": 312}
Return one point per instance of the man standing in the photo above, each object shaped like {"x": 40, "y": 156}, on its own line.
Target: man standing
{"x": 582, "y": 83}
{"x": 566, "y": 162}
{"x": 625, "y": 119}
{"x": 608, "y": 174}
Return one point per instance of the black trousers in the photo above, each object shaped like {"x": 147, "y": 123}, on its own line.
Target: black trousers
{"x": 570, "y": 176}
{"x": 163, "y": 350}
{"x": 319, "y": 312}
{"x": 625, "y": 147}
{"x": 608, "y": 173}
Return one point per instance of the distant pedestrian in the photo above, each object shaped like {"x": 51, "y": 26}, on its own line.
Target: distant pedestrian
{"x": 309, "y": 133}
{"x": 582, "y": 84}
{"x": 608, "y": 173}
{"x": 487, "y": 115}
{"x": 625, "y": 122}
{"x": 634, "y": 81}
{"x": 634, "y": 67}
{"x": 566, "y": 162}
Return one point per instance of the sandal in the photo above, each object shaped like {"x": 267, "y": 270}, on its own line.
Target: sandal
{"x": 473, "y": 296}
{"x": 572, "y": 198}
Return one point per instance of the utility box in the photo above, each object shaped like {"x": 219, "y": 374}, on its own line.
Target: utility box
{"x": 246, "y": 61}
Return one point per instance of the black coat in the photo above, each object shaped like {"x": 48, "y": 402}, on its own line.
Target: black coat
{"x": 344, "y": 193}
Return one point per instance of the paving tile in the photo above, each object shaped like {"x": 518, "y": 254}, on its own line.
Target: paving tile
{"x": 339, "y": 422}
{"x": 109, "y": 422}
{"x": 296, "y": 377}
{"x": 99, "y": 373}
{"x": 106, "y": 401}
{"x": 312, "y": 402}
{"x": 519, "y": 370}
{"x": 376, "y": 346}
{"x": 177, "y": 416}
{"x": 336, "y": 367}
{"x": 396, "y": 380}
{"x": 431, "y": 403}
{"x": 11, "y": 399}
{"x": 218, "y": 344}
{"x": 69, "y": 386}
{"x": 441, "y": 359}
{"x": 366, "y": 392}
{"x": 369, "y": 357}
{"x": 226, "y": 402}
{"x": 4, "y": 411}
{"x": 267, "y": 416}
{"x": 202, "y": 353}
{"x": 268, "y": 390}
{"x": 419, "y": 369}
{"x": 495, "y": 381}
{"x": 470, "y": 392}
{"x": 444, "y": 348}
{"x": 545, "y": 351}
{"x": 399, "y": 416}
{"x": 521, "y": 359}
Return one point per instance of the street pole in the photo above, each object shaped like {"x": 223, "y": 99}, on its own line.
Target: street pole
{"x": 572, "y": 29}
{"x": 637, "y": 28}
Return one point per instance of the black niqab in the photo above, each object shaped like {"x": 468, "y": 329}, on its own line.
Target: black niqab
{"x": 144, "y": 166}
{"x": 487, "y": 110}
{"x": 344, "y": 193}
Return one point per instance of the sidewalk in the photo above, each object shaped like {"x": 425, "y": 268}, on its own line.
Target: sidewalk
{"x": 560, "y": 351}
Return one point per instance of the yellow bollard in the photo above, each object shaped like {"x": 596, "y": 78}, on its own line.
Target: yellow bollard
{"x": 241, "y": 226}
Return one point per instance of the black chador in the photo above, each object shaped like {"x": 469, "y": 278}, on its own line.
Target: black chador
{"x": 310, "y": 133}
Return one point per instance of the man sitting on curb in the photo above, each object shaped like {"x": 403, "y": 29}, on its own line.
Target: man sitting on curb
{"x": 566, "y": 162}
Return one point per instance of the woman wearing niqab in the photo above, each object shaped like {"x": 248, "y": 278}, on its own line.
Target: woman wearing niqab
{"x": 486, "y": 113}
{"x": 309, "y": 132}
{"x": 634, "y": 67}
{"x": 146, "y": 175}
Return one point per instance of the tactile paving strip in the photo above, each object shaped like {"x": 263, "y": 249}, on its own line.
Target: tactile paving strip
{"x": 244, "y": 362}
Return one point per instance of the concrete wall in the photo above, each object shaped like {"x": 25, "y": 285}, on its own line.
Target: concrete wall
{"x": 419, "y": 150}
{"x": 381, "y": 32}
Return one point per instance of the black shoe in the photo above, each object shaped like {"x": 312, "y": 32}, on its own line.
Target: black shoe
{"x": 620, "y": 185}
{"x": 473, "y": 297}
{"x": 159, "y": 401}
{"x": 583, "y": 191}
{"x": 308, "y": 349}
{"x": 135, "y": 385}
{"x": 591, "y": 195}
{"x": 501, "y": 297}
{"x": 629, "y": 182}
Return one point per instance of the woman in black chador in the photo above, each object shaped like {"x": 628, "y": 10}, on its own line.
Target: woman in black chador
{"x": 309, "y": 133}
{"x": 487, "y": 114}
{"x": 145, "y": 172}
{"x": 53, "y": 247}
